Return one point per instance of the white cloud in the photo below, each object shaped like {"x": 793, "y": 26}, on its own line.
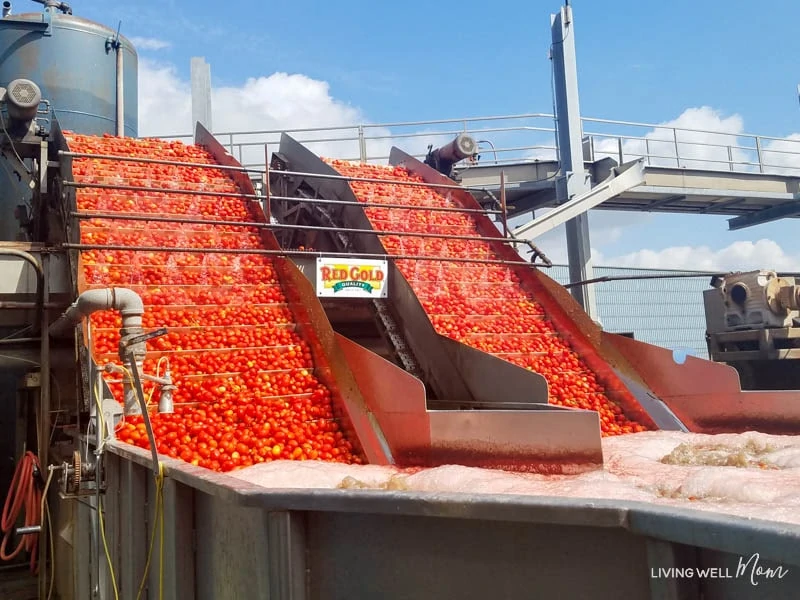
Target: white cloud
{"x": 703, "y": 137}
{"x": 762, "y": 254}
{"x": 278, "y": 102}
{"x": 782, "y": 156}
{"x": 165, "y": 101}
{"x": 146, "y": 43}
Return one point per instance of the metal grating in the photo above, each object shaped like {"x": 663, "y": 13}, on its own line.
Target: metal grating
{"x": 663, "y": 312}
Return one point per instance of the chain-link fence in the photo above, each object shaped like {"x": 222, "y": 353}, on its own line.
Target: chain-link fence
{"x": 664, "y": 312}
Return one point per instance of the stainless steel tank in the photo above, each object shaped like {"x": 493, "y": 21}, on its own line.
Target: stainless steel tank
{"x": 73, "y": 62}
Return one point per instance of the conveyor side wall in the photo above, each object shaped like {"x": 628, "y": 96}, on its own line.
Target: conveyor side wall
{"x": 706, "y": 396}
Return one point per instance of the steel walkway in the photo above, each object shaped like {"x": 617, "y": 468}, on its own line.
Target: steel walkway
{"x": 752, "y": 198}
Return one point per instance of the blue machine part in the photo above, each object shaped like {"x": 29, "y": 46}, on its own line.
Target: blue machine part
{"x": 74, "y": 62}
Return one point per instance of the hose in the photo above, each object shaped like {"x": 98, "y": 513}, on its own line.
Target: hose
{"x": 23, "y": 493}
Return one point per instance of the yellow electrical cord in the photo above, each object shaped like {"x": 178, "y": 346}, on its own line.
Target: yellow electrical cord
{"x": 100, "y": 516}
{"x": 158, "y": 521}
{"x": 101, "y": 520}
{"x": 52, "y": 554}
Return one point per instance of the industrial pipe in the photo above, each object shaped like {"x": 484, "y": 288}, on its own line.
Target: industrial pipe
{"x": 130, "y": 306}
{"x": 6, "y": 9}
{"x": 126, "y": 301}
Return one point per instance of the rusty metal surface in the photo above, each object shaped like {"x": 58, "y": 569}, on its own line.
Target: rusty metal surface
{"x": 706, "y": 396}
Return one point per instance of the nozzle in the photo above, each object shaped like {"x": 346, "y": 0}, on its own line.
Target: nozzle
{"x": 165, "y": 405}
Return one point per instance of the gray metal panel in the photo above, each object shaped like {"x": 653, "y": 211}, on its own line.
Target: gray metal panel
{"x": 72, "y": 68}
{"x": 201, "y": 92}
{"x": 486, "y": 375}
{"x": 408, "y": 558}
{"x": 253, "y": 542}
{"x": 286, "y": 539}
{"x": 179, "y": 541}
{"x": 132, "y": 498}
{"x": 232, "y": 556}
{"x": 545, "y": 439}
{"x": 18, "y": 278}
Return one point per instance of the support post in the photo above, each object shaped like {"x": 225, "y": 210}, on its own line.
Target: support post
{"x": 201, "y": 93}
{"x": 574, "y": 179}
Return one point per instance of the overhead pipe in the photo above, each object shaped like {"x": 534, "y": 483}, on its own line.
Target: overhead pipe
{"x": 126, "y": 301}
{"x": 6, "y": 9}
{"x": 131, "y": 307}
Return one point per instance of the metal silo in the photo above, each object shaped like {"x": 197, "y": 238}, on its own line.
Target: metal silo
{"x": 74, "y": 62}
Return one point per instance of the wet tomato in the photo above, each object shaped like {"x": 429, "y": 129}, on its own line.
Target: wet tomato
{"x": 481, "y": 305}
{"x": 247, "y": 391}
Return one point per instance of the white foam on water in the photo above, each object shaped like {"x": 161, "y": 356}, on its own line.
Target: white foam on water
{"x": 750, "y": 475}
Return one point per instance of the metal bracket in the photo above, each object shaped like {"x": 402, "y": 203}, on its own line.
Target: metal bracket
{"x": 137, "y": 382}
{"x": 625, "y": 178}
{"x": 145, "y": 337}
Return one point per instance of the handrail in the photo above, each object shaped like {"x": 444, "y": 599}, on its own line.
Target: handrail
{"x": 518, "y": 139}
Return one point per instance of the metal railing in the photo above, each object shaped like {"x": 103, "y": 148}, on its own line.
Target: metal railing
{"x": 529, "y": 138}
{"x": 263, "y": 199}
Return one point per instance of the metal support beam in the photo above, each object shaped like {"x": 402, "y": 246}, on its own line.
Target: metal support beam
{"x": 574, "y": 180}
{"x": 720, "y": 205}
{"x": 775, "y": 213}
{"x": 664, "y": 201}
{"x": 201, "y": 92}
{"x": 632, "y": 176}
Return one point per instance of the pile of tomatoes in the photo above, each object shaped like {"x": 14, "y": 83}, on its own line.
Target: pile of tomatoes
{"x": 246, "y": 389}
{"x": 481, "y": 305}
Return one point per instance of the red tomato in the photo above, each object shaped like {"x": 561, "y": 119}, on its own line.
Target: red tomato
{"x": 481, "y": 305}
{"x": 247, "y": 391}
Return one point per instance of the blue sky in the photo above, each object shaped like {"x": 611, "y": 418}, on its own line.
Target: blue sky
{"x": 384, "y": 62}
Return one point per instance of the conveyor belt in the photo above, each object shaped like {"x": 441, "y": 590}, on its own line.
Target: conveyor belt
{"x": 254, "y": 381}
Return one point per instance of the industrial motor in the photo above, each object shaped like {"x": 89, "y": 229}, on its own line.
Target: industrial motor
{"x": 754, "y": 300}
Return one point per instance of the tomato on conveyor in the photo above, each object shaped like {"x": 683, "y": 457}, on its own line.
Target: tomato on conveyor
{"x": 246, "y": 386}
{"x": 483, "y": 306}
